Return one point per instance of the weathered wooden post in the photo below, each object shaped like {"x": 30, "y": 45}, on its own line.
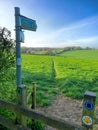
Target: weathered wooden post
{"x": 22, "y": 100}
{"x": 33, "y": 94}
{"x": 88, "y": 109}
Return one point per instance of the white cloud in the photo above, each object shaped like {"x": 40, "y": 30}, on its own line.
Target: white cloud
{"x": 79, "y": 33}
{"x": 91, "y": 42}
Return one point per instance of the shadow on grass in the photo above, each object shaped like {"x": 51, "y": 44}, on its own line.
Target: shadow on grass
{"x": 46, "y": 89}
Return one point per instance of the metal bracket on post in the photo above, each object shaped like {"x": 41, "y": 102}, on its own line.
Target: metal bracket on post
{"x": 88, "y": 109}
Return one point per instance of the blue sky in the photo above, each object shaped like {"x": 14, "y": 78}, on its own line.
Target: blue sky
{"x": 60, "y": 23}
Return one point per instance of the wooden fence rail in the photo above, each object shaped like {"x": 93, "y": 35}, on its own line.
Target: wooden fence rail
{"x": 11, "y": 125}
{"x": 36, "y": 115}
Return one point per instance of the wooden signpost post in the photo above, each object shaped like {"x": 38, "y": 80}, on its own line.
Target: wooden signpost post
{"x": 21, "y": 22}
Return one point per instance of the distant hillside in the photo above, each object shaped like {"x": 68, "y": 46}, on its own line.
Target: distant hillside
{"x": 87, "y": 54}
{"x": 51, "y": 51}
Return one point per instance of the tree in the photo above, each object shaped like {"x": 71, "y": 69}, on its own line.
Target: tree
{"x": 7, "y": 53}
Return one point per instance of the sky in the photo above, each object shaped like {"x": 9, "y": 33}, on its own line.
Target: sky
{"x": 60, "y": 23}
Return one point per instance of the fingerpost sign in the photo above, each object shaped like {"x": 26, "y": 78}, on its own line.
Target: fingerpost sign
{"x": 21, "y": 22}
{"x": 28, "y": 24}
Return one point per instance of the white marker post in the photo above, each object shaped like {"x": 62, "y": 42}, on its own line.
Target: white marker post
{"x": 88, "y": 109}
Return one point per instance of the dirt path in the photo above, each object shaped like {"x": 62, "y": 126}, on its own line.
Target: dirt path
{"x": 65, "y": 108}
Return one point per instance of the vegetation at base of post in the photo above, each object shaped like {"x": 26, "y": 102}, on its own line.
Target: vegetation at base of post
{"x": 35, "y": 125}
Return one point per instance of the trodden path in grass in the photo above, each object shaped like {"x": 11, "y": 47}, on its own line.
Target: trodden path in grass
{"x": 65, "y": 108}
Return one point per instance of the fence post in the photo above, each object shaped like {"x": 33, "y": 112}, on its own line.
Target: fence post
{"x": 33, "y": 94}
{"x": 88, "y": 109}
{"x": 22, "y": 100}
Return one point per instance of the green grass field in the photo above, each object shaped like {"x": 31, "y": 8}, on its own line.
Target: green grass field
{"x": 80, "y": 68}
{"x": 84, "y": 54}
{"x": 71, "y": 74}
{"x": 74, "y": 71}
{"x": 39, "y": 70}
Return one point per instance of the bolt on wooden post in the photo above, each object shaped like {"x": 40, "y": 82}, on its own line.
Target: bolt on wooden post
{"x": 88, "y": 109}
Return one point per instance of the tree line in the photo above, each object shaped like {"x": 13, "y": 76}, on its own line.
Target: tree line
{"x": 50, "y": 51}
